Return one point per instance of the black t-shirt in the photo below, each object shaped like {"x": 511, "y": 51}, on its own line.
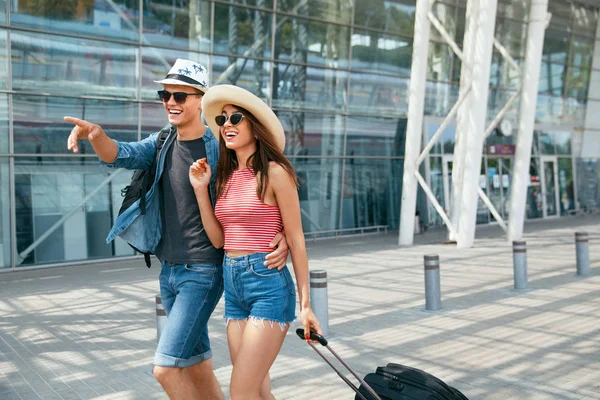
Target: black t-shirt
{"x": 184, "y": 240}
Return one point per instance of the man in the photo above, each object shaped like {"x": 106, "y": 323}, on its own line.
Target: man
{"x": 191, "y": 282}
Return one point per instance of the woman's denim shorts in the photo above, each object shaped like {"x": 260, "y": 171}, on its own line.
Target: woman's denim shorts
{"x": 254, "y": 291}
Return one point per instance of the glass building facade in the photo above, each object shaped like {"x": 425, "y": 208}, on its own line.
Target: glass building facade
{"x": 336, "y": 72}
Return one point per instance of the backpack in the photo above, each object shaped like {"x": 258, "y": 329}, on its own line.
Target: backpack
{"x": 141, "y": 182}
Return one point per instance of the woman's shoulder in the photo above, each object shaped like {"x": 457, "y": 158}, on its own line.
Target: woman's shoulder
{"x": 277, "y": 171}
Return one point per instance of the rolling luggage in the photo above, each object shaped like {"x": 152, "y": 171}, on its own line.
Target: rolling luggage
{"x": 392, "y": 382}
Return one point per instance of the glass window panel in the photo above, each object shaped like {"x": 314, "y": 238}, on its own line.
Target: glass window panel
{"x": 303, "y": 41}
{"x": 556, "y": 46}
{"x": 46, "y": 189}
{"x": 534, "y": 205}
{"x": 439, "y": 64}
{"x": 502, "y": 74}
{"x": 546, "y": 142}
{"x": 396, "y": 16}
{"x": 253, "y": 75}
{"x": 497, "y": 99}
{"x": 440, "y": 97}
{"x": 257, "y": 3}
{"x": 512, "y": 35}
{"x": 312, "y": 134}
{"x": 320, "y": 189}
{"x": 513, "y": 9}
{"x": 3, "y": 11}
{"x": 582, "y": 52}
{"x": 561, "y": 16}
{"x": 39, "y": 126}
{"x": 447, "y": 16}
{"x": 65, "y": 65}
{"x": 3, "y": 123}
{"x": 565, "y": 185}
{"x": 3, "y": 60}
{"x": 115, "y": 19}
{"x": 436, "y": 183}
{"x": 5, "y": 241}
{"x": 333, "y": 11}
{"x": 430, "y": 130}
{"x": 552, "y": 79}
{"x": 378, "y": 95}
{"x": 588, "y": 179}
{"x": 297, "y": 86}
{"x": 553, "y": 109}
{"x": 154, "y": 118}
{"x": 156, "y": 65}
{"x": 242, "y": 31}
{"x": 371, "y": 194}
{"x": 584, "y": 20}
{"x": 577, "y": 83}
{"x": 369, "y": 136}
{"x": 377, "y": 52}
{"x": 183, "y": 24}
{"x": 563, "y": 142}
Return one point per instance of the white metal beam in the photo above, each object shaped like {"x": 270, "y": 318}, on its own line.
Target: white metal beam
{"x": 531, "y": 74}
{"x": 475, "y": 134}
{"x": 416, "y": 105}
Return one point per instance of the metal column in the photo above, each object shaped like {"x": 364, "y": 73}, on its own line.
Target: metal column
{"x": 475, "y": 134}
{"x": 462, "y": 118}
{"x": 531, "y": 75}
{"x": 414, "y": 127}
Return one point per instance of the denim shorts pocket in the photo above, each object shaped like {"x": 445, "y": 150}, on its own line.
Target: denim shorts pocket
{"x": 202, "y": 268}
{"x": 260, "y": 269}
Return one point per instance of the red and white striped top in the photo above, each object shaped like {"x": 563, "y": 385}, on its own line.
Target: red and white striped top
{"x": 248, "y": 223}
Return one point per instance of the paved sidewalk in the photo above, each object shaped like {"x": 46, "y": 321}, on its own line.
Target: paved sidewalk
{"x": 88, "y": 332}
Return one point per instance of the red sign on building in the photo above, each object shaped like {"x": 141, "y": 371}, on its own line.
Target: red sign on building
{"x": 501, "y": 149}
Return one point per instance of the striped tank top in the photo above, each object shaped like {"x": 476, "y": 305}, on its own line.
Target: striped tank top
{"x": 248, "y": 223}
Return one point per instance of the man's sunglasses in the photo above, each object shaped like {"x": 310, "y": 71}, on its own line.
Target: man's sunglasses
{"x": 234, "y": 118}
{"x": 180, "y": 97}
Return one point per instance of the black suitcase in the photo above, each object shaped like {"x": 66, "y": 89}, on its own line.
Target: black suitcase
{"x": 392, "y": 382}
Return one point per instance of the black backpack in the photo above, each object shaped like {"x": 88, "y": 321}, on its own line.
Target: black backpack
{"x": 141, "y": 182}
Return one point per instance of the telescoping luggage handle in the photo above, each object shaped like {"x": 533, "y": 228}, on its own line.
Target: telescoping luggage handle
{"x": 323, "y": 342}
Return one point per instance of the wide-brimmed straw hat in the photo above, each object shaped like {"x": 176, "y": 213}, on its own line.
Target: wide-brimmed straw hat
{"x": 187, "y": 73}
{"x": 219, "y": 96}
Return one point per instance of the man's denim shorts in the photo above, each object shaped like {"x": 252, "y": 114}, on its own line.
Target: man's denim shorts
{"x": 190, "y": 293}
{"x": 254, "y": 291}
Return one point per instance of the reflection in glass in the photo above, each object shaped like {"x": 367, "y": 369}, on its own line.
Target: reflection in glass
{"x": 565, "y": 185}
{"x": 582, "y": 51}
{"x": 70, "y": 66}
{"x": 39, "y": 126}
{"x": 555, "y": 109}
{"x": 242, "y": 31}
{"x": 310, "y": 88}
{"x": 257, "y": 3}
{"x": 513, "y": 9}
{"x": 156, "y": 63}
{"x": 534, "y": 191}
{"x": 584, "y": 20}
{"x": 252, "y": 75}
{"x": 556, "y": 46}
{"x": 371, "y": 194}
{"x": 3, "y": 123}
{"x": 302, "y": 41}
{"x": 440, "y": 97}
{"x": 439, "y": 64}
{"x": 549, "y": 187}
{"x": 447, "y": 16}
{"x": 46, "y": 190}
{"x": 577, "y": 83}
{"x": 561, "y": 16}
{"x": 320, "y": 188}
{"x": 115, "y": 19}
{"x": 3, "y": 60}
{"x": 390, "y": 16}
{"x": 370, "y": 136}
{"x": 552, "y": 79}
{"x": 182, "y": 25}
{"x": 3, "y": 11}
{"x": 5, "y": 242}
{"x": 445, "y": 142}
{"x": 512, "y": 35}
{"x": 437, "y": 187}
{"x": 588, "y": 171}
{"x": 154, "y": 118}
{"x": 332, "y": 11}
{"x": 312, "y": 134}
{"x": 381, "y": 53}
{"x": 546, "y": 142}
{"x": 502, "y": 74}
{"x": 378, "y": 95}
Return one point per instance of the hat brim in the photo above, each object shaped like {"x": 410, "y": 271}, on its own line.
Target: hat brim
{"x": 219, "y": 96}
{"x": 170, "y": 81}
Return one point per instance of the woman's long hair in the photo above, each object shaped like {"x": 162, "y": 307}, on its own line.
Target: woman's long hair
{"x": 266, "y": 151}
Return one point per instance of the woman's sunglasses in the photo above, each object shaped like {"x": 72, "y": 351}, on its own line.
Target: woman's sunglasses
{"x": 180, "y": 97}
{"x": 234, "y": 118}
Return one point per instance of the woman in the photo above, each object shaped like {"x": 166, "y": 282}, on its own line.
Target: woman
{"x": 256, "y": 197}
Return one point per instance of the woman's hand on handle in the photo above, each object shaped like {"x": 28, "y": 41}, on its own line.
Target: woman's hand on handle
{"x": 310, "y": 323}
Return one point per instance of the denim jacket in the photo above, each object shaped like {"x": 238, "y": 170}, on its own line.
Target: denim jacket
{"x": 144, "y": 231}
